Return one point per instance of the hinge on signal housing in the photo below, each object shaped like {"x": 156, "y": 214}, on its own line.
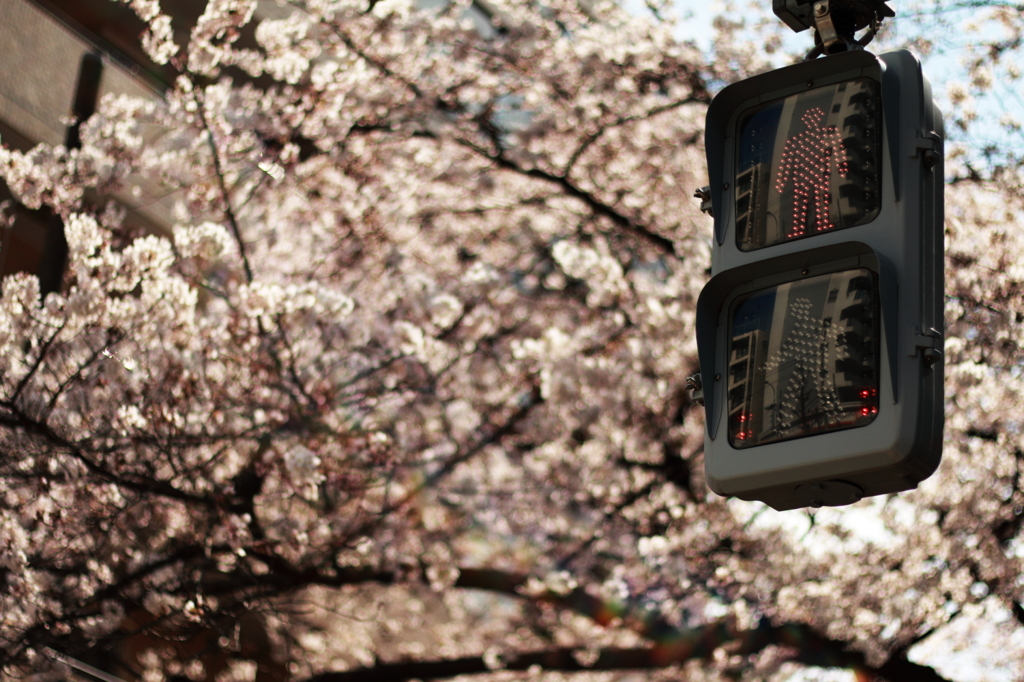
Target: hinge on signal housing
{"x": 928, "y": 342}
{"x": 929, "y": 148}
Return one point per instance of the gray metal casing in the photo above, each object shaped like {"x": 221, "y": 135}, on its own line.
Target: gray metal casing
{"x": 902, "y": 245}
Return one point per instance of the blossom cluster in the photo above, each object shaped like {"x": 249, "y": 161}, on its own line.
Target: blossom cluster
{"x": 404, "y": 378}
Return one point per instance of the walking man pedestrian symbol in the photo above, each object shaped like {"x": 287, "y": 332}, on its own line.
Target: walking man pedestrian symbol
{"x": 807, "y": 163}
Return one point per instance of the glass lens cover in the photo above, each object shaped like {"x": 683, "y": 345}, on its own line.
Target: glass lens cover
{"x": 809, "y": 163}
{"x": 803, "y": 358}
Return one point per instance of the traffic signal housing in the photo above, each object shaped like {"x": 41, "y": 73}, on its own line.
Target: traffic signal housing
{"x": 820, "y": 331}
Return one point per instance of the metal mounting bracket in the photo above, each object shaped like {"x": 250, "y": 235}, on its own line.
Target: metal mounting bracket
{"x": 826, "y": 30}
{"x": 835, "y": 22}
{"x": 696, "y": 388}
{"x": 704, "y": 194}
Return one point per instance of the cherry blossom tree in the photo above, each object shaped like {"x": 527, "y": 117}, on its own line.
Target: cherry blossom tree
{"x": 402, "y": 395}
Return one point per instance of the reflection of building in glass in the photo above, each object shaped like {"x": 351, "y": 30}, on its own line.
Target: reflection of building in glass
{"x": 746, "y": 401}
{"x": 751, "y": 195}
{"x": 859, "y": 118}
{"x": 809, "y": 163}
{"x": 810, "y": 365}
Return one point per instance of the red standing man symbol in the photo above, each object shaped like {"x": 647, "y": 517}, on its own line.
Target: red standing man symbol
{"x": 807, "y": 163}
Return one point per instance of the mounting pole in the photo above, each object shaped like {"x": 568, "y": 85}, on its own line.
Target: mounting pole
{"x": 835, "y": 22}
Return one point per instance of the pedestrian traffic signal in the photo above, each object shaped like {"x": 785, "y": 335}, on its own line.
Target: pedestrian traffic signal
{"x": 819, "y": 333}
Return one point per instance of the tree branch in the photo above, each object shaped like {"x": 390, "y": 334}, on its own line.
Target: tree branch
{"x": 815, "y": 651}
{"x": 593, "y": 203}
